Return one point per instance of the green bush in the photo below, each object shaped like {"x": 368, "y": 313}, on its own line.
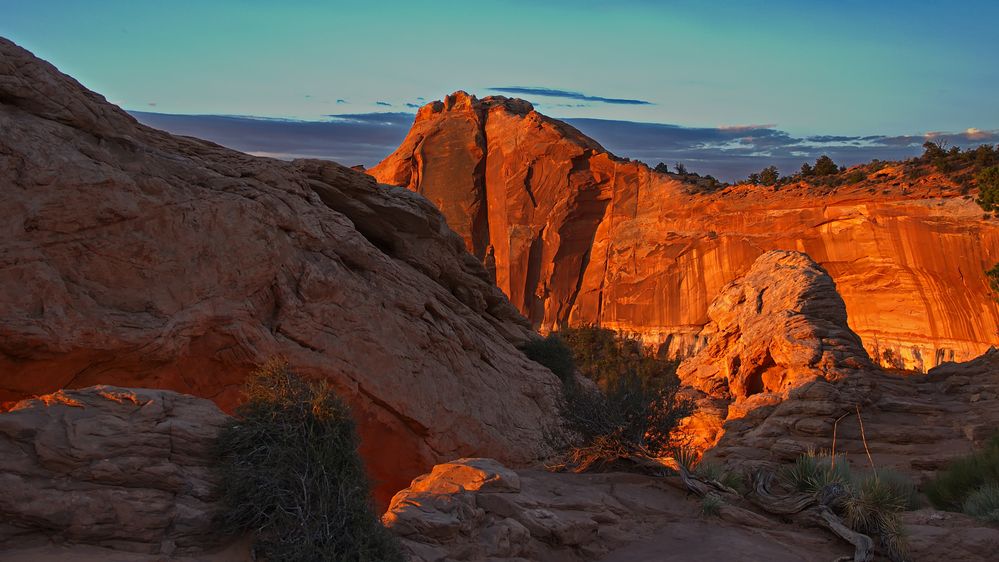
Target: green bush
{"x": 983, "y": 503}
{"x": 988, "y": 188}
{"x": 715, "y": 471}
{"x": 629, "y": 412}
{"x": 856, "y": 176}
{"x": 812, "y": 471}
{"x": 964, "y": 476}
{"x": 633, "y": 403}
{"x": 993, "y": 277}
{"x": 552, "y": 352}
{"x": 604, "y": 356}
{"x": 711, "y": 505}
{"x": 289, "y": 472}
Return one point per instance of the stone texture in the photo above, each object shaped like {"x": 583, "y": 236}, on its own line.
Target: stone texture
{"x": 476, "y": 510}
{"x": 134, "y": 257}
{"x": 574, "y": 234}
{"x": 778, "y": 326}
{"x": 128, "y": 469}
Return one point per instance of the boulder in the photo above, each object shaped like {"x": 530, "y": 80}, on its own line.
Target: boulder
{"x": 126, "y": 469}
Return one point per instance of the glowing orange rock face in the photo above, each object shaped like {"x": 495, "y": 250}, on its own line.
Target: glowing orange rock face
{"x": 575, "y": 234}
{"x": 137, "y": 258}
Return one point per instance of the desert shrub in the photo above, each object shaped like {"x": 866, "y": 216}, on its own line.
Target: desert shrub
{"x": 716, "y": 472}
{"x": 711, "y": 505}
{"x": 813, "y": 471}
{"x": 604, "y": 356}
{"x": 856, "y": 176}
{"x": 824, "y": 166}
{"x": 637, "y": 415}
{"x": 873, "y": 506}
{"x": 983, "y": 503}
{"x": 988, "y": 188}
{"x": 963, "y": 476}
{"x": 289, "y": 471}
{"x": 633, "y": 403}
{"x": 553, "y": 353}
{"x": 993, "y": 277}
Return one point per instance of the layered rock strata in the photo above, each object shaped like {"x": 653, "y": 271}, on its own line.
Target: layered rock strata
{"x": 575, "y": 235}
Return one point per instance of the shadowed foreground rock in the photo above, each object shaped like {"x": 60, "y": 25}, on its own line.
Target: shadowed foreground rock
{"x": 128, "y": 469}
{"x": 575, "y": 234}
{"x": 133, "y": 257}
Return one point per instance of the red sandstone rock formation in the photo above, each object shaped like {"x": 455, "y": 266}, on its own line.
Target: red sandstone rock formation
{"x": 112, "y": 467}
{"x": 133, "y": 257}
{"x": 575, "y": 234}
{"x": 781, "y": 370}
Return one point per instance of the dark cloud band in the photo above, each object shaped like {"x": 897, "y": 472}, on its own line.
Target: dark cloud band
{"x": 553, "y": 93}
{"x": 727, "y": 153}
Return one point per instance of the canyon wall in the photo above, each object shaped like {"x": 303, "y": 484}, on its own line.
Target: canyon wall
{"x": 132, "y": 257}
{"x": 573, "y": 234}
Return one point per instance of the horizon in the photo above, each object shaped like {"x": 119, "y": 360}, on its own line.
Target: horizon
{"x": 684, "y": 77}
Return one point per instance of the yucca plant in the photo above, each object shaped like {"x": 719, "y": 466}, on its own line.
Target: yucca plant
{"x": 813, "y": 471}
{"x": 983, "y": 503}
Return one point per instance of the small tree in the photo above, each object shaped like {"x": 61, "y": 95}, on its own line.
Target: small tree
{"x": 662, "y": 168}
{"x": 932, "y": 151}
{"x": 824, "y": 166}
{"x": 988, "y": 188}
{"x": 289, "y": 471}
{"x": 806, "y": 170}
{"x": 753, "y": 179}
{"x": 681, "y": 169}
{"x": 769, "y": 175}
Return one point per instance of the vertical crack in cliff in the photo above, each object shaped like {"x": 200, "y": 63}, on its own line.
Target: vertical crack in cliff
{"x": 480, "y": 220}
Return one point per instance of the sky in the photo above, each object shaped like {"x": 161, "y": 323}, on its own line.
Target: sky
{"x": 790, "y": 69}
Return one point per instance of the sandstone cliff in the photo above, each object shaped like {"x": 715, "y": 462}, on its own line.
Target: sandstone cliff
{"x": 575, "y": 234}
{"x": 133, "y": 257}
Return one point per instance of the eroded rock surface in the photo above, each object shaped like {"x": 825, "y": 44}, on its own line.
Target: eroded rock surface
{"x": 128, "y": 469}
{"x": 134, "y": 257}
{"x": 575, "y": 234}
{"x": 476, "y": 509}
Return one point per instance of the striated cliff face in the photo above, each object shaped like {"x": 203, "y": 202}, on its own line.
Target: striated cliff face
{"x": 574, "y": 234}
{"x": 132, "y": 257}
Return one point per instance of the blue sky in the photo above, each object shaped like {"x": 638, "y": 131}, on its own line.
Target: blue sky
{"x": 806, "y": 68}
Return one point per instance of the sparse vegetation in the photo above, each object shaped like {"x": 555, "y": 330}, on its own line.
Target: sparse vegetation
{"x": 769, "y": 175}
{"x": 870, "y": 503}
{"x": 824, "y": 166}
{"x": 964, "y": 477}
{"x": 813, "y": 471}
{"x": 628, "y": 401}
{"x": 552, "y": 352}
{"x": 983, "y": 503}
{"x": 988, "y": 188}
{"x": 993, "y": 277}
{"x": 711, "y": 505}
{"x": 873, "y": 506}
{"x": 289, "y": 471}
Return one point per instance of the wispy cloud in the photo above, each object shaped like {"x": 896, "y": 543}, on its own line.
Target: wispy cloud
{"x": 413, "y": 105}
{"x": 555, "y": 93}
{"x": 728, "y": 153}
{"x": 383, "y": 103}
